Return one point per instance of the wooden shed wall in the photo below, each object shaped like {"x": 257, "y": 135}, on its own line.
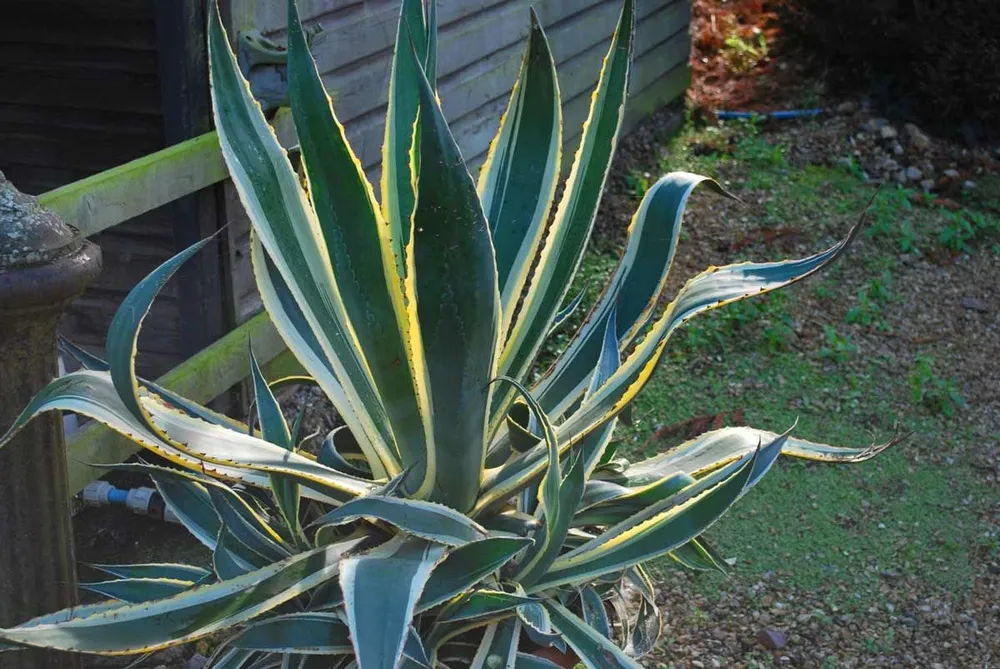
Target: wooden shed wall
{"x": 480, "y": 47}
{"x": 80, "y": 93}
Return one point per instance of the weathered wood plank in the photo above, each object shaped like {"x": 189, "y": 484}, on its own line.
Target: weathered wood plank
{"x": 116, "y": 195}
{"x": 110, "y": 197}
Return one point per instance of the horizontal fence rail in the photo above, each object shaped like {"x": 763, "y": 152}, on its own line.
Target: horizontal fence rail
{"x": 114, "y": 196}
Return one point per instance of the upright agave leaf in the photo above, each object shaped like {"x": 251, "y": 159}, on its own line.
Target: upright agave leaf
{"x": 360, "y": 252}
{"x": 458, "y": 307}
{"x": 518, "y": 179}
{"x": 558, "y": 258}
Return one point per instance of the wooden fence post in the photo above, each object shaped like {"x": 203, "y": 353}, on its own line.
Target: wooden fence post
{"x": 43, "y": 266}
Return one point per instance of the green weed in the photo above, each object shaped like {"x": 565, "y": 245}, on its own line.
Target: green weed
{"x": 637, "y": 183}
{"x": 965, "y": 226}
{"x": 888, "y": 215}
{"x": 939, "y": 395}
{"x": 837, "y": 347}
{"x": 871, "y": 298}
{"x": 764, "y": 320}
{"x": 742, "y": 55}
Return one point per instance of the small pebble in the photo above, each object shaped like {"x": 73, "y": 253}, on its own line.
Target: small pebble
{"x": 772, "y": 639}
{"x": 975, "y": 304}
{"x": 918, "y": 138}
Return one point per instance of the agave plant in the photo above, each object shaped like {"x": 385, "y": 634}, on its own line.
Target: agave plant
{"x": 464, "y": 515}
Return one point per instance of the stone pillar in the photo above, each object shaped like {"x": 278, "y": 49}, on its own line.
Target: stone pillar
{"x": 43, "y": 266}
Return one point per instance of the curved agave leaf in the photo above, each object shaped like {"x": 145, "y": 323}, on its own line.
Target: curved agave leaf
{"x": 288, "y": 229}
{"x": 480, "y": 603}
{"x": 517, "y": 182}
{"x": 427, "y": 520}
{"x": 398, "y": 172}
{"x": 466, "y": 566}
{"x": 92, "y": 394}
{"x": 181, "y": 572}
{"x": 632, "y": 292}
{"x": 295, "y": 331}
{"x": 591, "y": 448}
{"x": 381, "y": 590}
{"x": 458, "y": 308}
{"x": 194, "y": 613}
{"x": 664, "y": 526}
{"x": 94, "y": 363}
{"x": 594, "y": 613}
{"x": 550, "y": 496}
{"x": 709, "y": 290}
{"x": 716, "y": 448}
{"x": 498, "y": 647}
{"x": 123, "y": 333}
{"x": 301, "y": 633}
{"x": 330, "y": 453}
{"x": 595, "y": 650}
{"x": 359, "y": 247}
{"x": 558, "y": 258}
{"x": 135, "y": 590}
{"x": 214, "y": 444}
